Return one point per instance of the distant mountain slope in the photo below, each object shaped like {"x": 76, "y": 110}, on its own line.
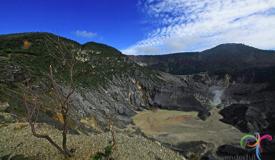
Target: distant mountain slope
{"x": 225, "y": 58}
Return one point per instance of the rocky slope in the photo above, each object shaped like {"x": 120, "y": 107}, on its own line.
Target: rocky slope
{"x": 19, "y": 145}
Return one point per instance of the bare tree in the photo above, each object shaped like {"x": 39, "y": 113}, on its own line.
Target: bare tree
{"x": 33, "y": 102}
{"x": 111, "y": 129}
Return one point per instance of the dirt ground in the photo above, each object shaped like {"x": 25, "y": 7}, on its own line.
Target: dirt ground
{"x": 16, "y": 140}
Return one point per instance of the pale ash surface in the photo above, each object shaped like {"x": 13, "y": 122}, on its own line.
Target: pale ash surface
{"x": 186, "y": 126}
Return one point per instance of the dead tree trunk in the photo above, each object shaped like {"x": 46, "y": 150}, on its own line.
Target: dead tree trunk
{"x": 32, "y": 111}
{"x": 33, "y": 102}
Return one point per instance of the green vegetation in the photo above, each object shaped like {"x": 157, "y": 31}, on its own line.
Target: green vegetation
{"x": 106, "y": 155}
{"x": 101, "y": 63}
{"x": 96, "y": 64}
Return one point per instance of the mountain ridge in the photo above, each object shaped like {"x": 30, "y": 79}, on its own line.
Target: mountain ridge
{"x": 217, "y": 46}
{"x": 225, "y": 57}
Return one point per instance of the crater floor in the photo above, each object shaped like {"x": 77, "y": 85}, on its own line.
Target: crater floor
{"x": 176, "y": 126}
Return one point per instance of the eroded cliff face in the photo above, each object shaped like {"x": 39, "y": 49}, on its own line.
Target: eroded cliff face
{"x": 124, "y": 95}
{"x": 250, "y": 107}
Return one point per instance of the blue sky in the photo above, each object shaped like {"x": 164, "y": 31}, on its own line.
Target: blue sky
{"x": 146, "y": 26}
{"x": 115, "y": 22}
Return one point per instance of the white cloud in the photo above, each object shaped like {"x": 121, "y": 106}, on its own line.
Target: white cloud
{"x": 188, "y": 25}
{"x": 85, "y": 34}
